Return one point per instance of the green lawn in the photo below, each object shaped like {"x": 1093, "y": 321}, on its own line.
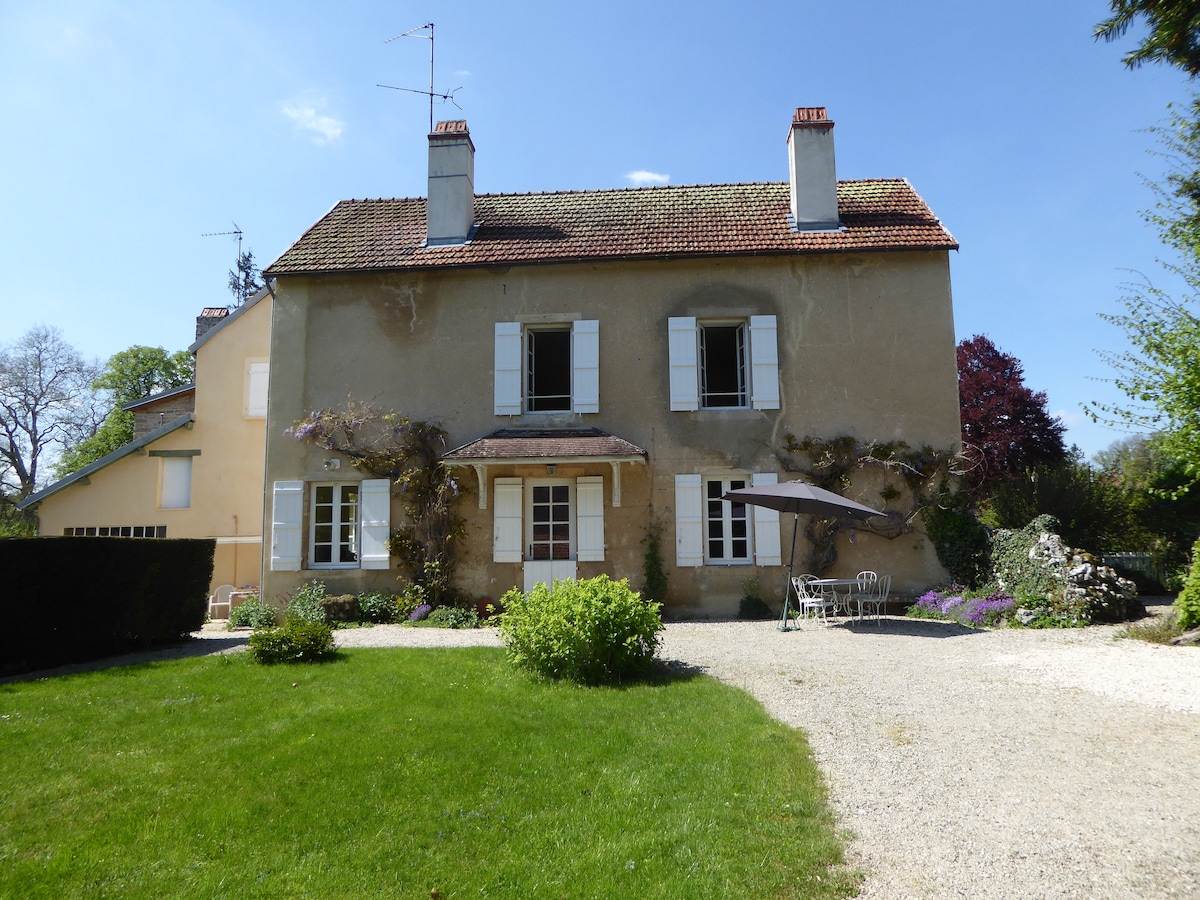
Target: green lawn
{"x": 388, "y": 773}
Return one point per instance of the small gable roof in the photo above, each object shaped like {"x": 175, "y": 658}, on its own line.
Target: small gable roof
{"x": 617, "y": 224}
{"x": 546, "y": 445}
{"x": 108, "y": 460}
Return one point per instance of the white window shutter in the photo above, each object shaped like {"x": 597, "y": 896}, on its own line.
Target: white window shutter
{"x": 689, "y": 520}
{"x": 589, "y": 518}
{"x": 286, "y": 514}
{"x": 507, "y": 539}
{"x": 767, "y": 550}
{"x": 585, "y": 362}
{"x": 375, "y": 506}
{"x": 681, "y": 347}
{"x": 176, "y": 483}
{"x": 508, "y": 369}
{"x": 764, "y": 363}
{"x": 256, "y": 400}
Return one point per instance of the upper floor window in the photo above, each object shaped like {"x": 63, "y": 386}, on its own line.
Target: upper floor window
{"x": 723, "y": 363}
{"x": 547, "y": 368}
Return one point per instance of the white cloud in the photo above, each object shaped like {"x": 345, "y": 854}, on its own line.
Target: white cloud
{"x": 306, "y": 115}
{"x": 1071, "y": 419}
{"x": 641, "y": 178}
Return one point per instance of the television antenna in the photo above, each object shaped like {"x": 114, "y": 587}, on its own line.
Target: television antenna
{"x": 431, "y": 93}
{"x": 236, "y": 231}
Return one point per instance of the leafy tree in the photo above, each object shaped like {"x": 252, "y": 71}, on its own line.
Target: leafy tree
{"x": 246, "y": 280}
{"x": 1005, "y": 426}
{"x": 129, "y": 375}
{"x": 46, "y": 403}
{"x": 1174, "y": 36}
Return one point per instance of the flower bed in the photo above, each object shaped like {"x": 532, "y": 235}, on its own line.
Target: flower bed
{"x": 976, "y": 612}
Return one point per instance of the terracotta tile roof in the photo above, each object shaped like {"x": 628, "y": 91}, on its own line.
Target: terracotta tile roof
{"x": 545, "y": 443}
{"x": 618, "y": 224}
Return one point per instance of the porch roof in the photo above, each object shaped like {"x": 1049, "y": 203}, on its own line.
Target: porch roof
{"x": 546, "y": 445}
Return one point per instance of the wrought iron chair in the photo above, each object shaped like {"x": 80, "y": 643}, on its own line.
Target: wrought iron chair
{"x": 878, "y": 598}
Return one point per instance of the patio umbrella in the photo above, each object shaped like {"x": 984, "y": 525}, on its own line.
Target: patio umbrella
{"x": 799, "y": 497}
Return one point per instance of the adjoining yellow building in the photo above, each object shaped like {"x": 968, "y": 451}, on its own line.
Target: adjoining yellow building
{"x": 608, "y": 361}
{"x": 195, "y": 466}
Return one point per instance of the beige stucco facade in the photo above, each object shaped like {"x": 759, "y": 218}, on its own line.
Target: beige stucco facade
{"x": 865, "y": 348}
{"x": 223, "y": 444}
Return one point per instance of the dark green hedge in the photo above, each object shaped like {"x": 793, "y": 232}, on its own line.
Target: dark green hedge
{"x": 70, "y": 599}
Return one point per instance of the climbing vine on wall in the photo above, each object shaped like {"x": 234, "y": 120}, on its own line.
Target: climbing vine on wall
{"x": 913, "y": 479}
{"x": 408, "y": 453}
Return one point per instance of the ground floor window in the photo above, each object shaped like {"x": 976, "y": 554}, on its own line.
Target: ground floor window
{"x": 726, "y": 524}
{"x": 127, "y": 531}
{"x": 334, "y": 532}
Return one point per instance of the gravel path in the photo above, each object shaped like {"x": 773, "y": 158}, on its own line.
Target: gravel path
{"x": 974, "y": 764}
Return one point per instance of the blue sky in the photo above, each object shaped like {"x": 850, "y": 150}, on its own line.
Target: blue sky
{"x": 132, "y": 128}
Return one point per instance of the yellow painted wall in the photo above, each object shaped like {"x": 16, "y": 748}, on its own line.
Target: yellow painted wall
{"x": 227, "y": 474}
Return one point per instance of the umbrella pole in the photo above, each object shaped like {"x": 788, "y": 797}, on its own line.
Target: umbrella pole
{"x": 787, "y": 594}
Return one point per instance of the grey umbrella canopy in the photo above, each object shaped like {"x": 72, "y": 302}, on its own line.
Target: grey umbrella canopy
{"x": 800, "y": 497}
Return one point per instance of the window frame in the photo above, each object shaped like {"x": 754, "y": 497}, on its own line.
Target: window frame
{"x": 337, "y": 521}
{"x": 741, "y": 363}
{"x": 728, "y": 520}
{"x": 530, "y": 400}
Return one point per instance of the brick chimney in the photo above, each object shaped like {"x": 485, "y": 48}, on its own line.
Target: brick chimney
{"x": 450, "y": 211}
{"x": 812, "y": 171}
{"x": 210, "y": 317}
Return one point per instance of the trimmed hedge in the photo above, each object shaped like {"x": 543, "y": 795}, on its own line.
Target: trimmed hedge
{"x": 72, "y": 599}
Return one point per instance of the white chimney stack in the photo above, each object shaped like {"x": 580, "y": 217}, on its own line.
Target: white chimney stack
{"x": 450, "y": 210}
{"x": 812, "y": 171}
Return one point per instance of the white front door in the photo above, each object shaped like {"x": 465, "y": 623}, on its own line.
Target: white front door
{"x": 549, "y": 530}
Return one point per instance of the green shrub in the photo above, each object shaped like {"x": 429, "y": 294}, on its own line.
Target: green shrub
{"x": 1023, "y": 578}
{"x": 342, "y": 608}
{"x": 753, "y": 608}
{"x": 590, "y": 631}
{"x": 1187, "y": 604}
{"x": 961, "y": 542}
{"x": 378, "y": 607}
{"x": 453, "y": 617}
{"x": 252, "y": 613}
{"x": 296, "y": 640}
{"x": 306, "y": 603}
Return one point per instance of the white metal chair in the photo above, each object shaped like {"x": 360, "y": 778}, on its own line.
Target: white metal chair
{"x": 861, "y": 592}
{"x": 813, "y": 604}
{"x": 878, "y": 598}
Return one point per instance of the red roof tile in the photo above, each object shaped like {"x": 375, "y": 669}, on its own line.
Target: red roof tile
{"x": 617, "y": 224}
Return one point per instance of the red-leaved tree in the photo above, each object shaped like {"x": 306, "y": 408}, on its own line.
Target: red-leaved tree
{"x": 1005, "y": 426}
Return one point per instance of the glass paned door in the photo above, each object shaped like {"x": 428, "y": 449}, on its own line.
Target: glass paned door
{"x": 335, "y": 525}
{"x": 550, "y": 515}
{"x": 727, "y": 523}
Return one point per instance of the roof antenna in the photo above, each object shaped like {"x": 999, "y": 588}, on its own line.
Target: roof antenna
{"x": 431, "y": 93}
{"x": 236, "y": 231}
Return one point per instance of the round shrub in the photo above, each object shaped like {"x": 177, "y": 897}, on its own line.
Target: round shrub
{"x": 590, "y": 631}
{"x": 454, "y": 617}
{"x": 252, "y": 613}
{"x": 295, "y": 641}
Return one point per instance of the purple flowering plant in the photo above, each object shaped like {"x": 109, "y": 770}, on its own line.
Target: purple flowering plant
{"x": 975, "y": 612}
{"x": 420, "y": 613}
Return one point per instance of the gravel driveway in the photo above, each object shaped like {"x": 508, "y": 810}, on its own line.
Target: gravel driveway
{"x": 975, "y": 764}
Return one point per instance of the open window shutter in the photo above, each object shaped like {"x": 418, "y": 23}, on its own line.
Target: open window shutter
{"x": 689, "y": 521}
{"x": 376, "y": 506}
{"x": 585, "y": 362}
{"x": 256, "y": 401}
{"x": 508, "y": 369}
{"x": 766, "y": 526}
{"x": 764, "y": 363}
{"x": 681, "y": 346}
{"x": 286, "y": 514}
{"x": 506, "y": 521}
{"x": 589, "y": 518}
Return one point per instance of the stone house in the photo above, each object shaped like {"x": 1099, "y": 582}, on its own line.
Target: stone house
{"x": 606, "y": 361}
